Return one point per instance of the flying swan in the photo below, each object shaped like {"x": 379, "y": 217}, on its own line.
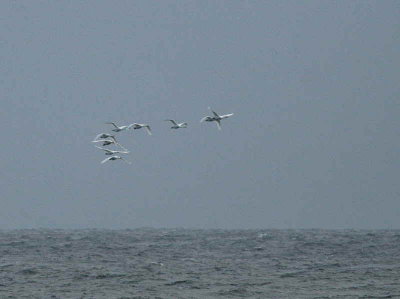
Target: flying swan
{"x": 108, "y": 142}
{"x": 176, "y": 125}
{"x": 217, "y": 118}
{"x": 111, "y": 152}
{"x": 139, "y": 126}
{"x": 104, "y": 136}
{"x": 113, "y": 158}
{"x": 120, "y": 128}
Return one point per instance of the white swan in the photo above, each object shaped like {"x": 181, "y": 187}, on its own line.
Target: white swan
{"x": 104, "y": 136}
{"x": 120, "y": 128}
{"x": 139, "y": 126}
{"x": 111, "y": 152}
{"x": 113, "y": 158}
{"x": 217, "y": 118}
{"x": 108, "y": 142}
{"x": 176, "y": 125}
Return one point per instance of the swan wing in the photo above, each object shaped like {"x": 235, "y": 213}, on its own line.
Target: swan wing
{"x": 104, "y": 149}
{"x": 203, "y": 119}
{"x": 105, "y": 160}
{"x": 173, "y": 122}
{"x": 113, "y": 138}
{"x": 148, "y": 129}
{"x": 215, "y": 113}
{"x": 111, "y": 123}
{"x": 99, "y": 136}
{"x": 121, "y": 152}
{"x": 218, "y": 124}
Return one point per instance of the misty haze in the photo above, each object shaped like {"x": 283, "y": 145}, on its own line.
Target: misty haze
{"x": 302, "y": 177}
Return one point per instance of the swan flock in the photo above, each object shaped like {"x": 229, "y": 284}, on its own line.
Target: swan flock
{"x": 106, "y": 139}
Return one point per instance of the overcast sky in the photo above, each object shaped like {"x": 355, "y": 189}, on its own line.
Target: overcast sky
{"x": 314, "y": 86}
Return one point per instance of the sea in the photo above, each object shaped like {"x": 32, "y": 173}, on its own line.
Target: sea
{"x": 188, "y": 263}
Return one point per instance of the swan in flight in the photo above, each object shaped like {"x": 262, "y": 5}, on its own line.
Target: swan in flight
{"x": 108, "y": 142}
{"x": 121, "y": 128}
{"x": 176, "y": 125}
{"x": 104, "y": 136}
{"x": 110, "y": 152}
{"x": 113, "y": 158}
{"x": 216, "y": 117}
{"x": 139, "y": 126}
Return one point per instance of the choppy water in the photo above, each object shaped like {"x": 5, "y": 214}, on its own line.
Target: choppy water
{"x": 147, "y": 263}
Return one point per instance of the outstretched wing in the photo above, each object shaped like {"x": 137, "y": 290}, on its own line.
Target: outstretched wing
{"x": 173, "y": 122}
{"x": 111, "y": 123}
{"x": 218, "y": 124}
{"x": 121, "y": 152}
{"x": 113, "y": 138}
{"x": 104, "y": 149}
{"x": 204, "y": 118}
{"x": 105, "y": 160}
{"x": 148, "y": 130}
{"x": 99, "y": 136}
{"x": 215, "y": 113}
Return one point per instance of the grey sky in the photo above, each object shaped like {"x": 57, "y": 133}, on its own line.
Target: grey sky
{"x": 314, "y": 86}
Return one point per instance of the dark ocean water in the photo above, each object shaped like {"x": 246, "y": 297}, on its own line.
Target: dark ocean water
{"x": 147, "y": 263}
